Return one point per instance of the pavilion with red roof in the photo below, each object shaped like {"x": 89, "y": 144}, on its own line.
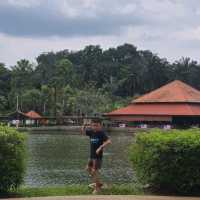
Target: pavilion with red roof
{"x": 174, "y": 103}
{"x": 34, "y": 118}
{"x": 33, "y": 115}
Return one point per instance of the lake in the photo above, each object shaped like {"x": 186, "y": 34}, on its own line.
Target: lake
{"x": 59, "y": 159}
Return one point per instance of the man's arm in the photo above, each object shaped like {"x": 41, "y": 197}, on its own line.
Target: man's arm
{"x": 107, "y": 142}
{"x": 83, "y": 129}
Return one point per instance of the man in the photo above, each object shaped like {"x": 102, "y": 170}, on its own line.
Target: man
{"x": 98, "y": 141}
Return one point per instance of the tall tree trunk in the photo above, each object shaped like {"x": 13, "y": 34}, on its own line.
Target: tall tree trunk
{"x": 55, "y": 101}
{"x": 44, "y": 108}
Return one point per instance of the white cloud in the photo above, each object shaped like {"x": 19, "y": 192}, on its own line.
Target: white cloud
{"x": 14, "y": 48}
{"x": 170, "y": 28}
{"x": 78, "y": 8}
{"x": 24, "y": 3}
{"x": 188, "y": 34}
{"x": 68, "y": 10}
{"x": 128, "y": 8}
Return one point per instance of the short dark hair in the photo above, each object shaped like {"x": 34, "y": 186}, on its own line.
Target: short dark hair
{"x": 96, "y": 121}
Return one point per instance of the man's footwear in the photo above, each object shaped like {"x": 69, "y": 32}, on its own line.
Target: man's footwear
{"x": 96, "y": 191}
{"x": 93, "y": 185}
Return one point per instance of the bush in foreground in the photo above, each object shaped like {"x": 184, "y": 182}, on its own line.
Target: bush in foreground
{"x": 168, "y": 161}
{"x": 12, "y": 158}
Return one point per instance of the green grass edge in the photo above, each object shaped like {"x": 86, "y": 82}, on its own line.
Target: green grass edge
{"x": 72, "y": 190}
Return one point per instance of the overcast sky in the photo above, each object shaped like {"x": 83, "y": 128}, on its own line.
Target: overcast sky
{"x": 170, "y": 28}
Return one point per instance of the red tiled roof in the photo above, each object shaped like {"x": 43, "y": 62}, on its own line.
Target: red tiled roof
{"x": 139, "y": 118}
{"x": 175, "y": 91}
{"x": 172, "y": 109}
{"x": 33, "y": 115}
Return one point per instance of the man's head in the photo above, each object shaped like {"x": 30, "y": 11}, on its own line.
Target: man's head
{"x": 96, "y": 125}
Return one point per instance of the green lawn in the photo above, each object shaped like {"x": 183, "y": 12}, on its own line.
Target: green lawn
{"x": 125, "y": 189}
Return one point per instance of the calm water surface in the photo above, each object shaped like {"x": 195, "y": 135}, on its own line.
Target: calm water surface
{"x": 59, "y": 159}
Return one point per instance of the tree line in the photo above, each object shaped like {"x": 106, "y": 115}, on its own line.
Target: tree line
{"x": 88, "y": 81}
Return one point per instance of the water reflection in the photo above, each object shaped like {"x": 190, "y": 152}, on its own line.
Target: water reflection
{"x": 61, "y": 159}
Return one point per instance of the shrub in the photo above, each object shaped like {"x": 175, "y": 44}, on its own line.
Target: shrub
{"x": 12, "y": 158}
{"x": 168, "y": 161}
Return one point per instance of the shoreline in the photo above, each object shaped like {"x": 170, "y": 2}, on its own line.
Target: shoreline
{"x": 76, "y": 130}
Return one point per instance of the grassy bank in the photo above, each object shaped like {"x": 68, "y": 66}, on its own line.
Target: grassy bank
{"x": 125, "y": 189}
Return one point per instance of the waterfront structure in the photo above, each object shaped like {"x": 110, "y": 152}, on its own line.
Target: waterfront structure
{"x": 33, "y": 115}
{"x": 20, "y": 118}
{"x": 33, "y": 118}
{"x": 173, "y": 104}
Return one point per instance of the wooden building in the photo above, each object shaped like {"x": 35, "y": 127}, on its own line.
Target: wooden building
{"x": 175, "y": 103}
{"x": 19, "y": 118}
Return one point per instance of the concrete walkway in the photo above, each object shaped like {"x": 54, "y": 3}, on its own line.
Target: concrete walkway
{"x": 109, "y": 197}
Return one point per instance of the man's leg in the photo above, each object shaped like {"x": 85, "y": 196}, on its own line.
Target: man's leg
{"x": 93, "y": 167}
{"x": 96, "y": 179}
{"x": 89, "y": 167}
{"x": 96, "y": 175}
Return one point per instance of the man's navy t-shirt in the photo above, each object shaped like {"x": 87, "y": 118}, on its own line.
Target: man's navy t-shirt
{"x": 96, "y": 140}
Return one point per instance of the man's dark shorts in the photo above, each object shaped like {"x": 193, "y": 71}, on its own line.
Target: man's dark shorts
{"x": 95, "y": 164}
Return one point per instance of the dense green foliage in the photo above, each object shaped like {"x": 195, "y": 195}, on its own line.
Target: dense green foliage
{"x": 12, "y": 158}
{"x": 63, "y": 83}
{"x": 168, "y": 161}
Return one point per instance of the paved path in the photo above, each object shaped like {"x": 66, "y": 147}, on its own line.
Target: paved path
{"x": 109, "y": 197}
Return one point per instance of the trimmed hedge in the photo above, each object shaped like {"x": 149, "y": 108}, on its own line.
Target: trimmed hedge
{"x": 168, "y": 161}
{"x": 12, "y": 158}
